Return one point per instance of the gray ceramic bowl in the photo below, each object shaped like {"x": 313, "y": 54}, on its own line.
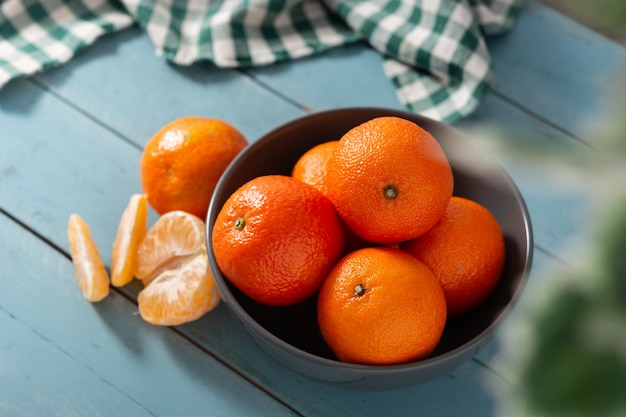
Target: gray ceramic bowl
{"x": 291, "y": 335}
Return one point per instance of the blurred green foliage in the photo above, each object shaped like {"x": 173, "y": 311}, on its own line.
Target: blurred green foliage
{"x": 578, "y": 366}
{"x": 610, "y": 14}
{"x": 607, "y": 16}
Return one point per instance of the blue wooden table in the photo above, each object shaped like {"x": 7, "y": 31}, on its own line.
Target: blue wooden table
{"x": 71, "y": 140}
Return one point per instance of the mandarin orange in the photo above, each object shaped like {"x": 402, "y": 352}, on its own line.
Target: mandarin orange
{"x": 381, "y": 306}
{"x": 183, "y": 161}
{"x": 312, "y": 166}
{"x": 466, "y": 251}
{"x": 276, "y": 238}
{"x": 389, "y": 180}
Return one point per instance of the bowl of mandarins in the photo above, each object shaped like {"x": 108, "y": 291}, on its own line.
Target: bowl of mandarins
{"x": 368, "y": 248}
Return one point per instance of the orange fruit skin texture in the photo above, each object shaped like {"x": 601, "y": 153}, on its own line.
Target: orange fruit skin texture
{"x": 182, "y": 162}
{"x": 399, "y": 317}
{"x": 382, "y": 152}
{"x": 312, "y": 166}
{"x": 466, "y": 251}
{"x": 291, "y": 238}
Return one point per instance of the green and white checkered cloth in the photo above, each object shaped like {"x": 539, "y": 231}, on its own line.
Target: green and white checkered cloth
{"x": 433, "y": 51}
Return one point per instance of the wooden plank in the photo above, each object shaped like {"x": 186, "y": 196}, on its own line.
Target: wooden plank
{"x": 70, "y": 357}
{"x": 347, "y": 76}
{"x": 39, "y": 378}
{"x": 55, "y": 162}
{"x": 122, "y": 84}
{"x": 557, "y": 69}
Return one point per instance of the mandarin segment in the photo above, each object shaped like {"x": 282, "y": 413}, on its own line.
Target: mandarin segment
{"x": 381, "y": 306}
{"x": 389, "y": 179}
{"x": 276, "y": 238}
{"x": 183, "y": 161}
{"x": 466, "y": 251}
{"x": 175, "y": 236}
{"x": 130, "y": 232}
{"x": 180, "y": 295}
{"x": 91, "y": 274}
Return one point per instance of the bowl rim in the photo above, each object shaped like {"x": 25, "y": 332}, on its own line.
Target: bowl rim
{"x": 455, "y": 353}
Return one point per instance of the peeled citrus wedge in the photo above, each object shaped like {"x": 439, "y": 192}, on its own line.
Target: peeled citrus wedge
{"x": 130, "y": 232}
{"x": 91, "y": 275}
{"x": 180, "y": 295}
{"x": 173, "y": 265}
{"x": 174, "y": 237}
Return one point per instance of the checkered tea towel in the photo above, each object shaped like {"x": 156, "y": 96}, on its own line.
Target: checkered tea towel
{"x": 433, "y": 51}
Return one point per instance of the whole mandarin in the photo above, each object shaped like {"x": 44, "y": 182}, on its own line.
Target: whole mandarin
{"x": 466, "y": 251}
{"x": 276, "y": 238}
{"x": 183, "y": 161}
{"x": 381, "y": 306}
{"x": 389, "y": 180}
